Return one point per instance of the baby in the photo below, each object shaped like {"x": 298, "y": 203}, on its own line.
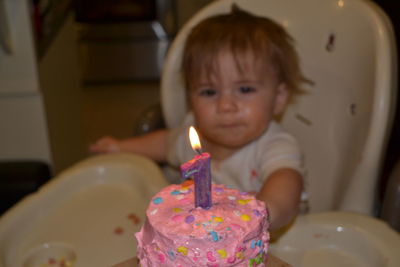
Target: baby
{"x": 240, "y": 71}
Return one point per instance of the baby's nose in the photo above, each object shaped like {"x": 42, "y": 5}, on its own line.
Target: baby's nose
{"x": 227, "y": 103}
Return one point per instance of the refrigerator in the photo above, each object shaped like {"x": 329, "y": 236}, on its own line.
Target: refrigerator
{"x": 40, "y": 92}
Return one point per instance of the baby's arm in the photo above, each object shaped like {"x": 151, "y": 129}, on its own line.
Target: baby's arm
{"x": 152, "y": 145}
{"x": 281, "y": 192}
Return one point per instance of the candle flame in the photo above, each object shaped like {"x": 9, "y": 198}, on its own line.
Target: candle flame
{"x": 194, "y": 139}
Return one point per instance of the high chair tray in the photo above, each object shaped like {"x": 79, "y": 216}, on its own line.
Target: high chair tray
{"x": 87, "y": 215}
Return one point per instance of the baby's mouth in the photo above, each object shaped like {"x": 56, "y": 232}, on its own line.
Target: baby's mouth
{"x": 230, "y": 125}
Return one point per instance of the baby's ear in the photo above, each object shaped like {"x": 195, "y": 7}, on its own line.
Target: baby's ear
{"x": 281, "y": 99}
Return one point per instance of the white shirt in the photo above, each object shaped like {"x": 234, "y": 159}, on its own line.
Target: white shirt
{"x": 247, "y": 168}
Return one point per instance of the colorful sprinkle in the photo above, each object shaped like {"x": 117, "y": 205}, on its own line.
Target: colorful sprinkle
{"x": 158, "y": 200}
{"x": 231, "y": 197}
{"x": 171, "y": 255}
{"x": 219, "y": 189}
{"x": 240, "y": 249}
{"x": 161, "y": 258}
{"x": 218, "y": 219}
{"x": 231, "y": 259}
{"x": 243, "y": 201}
{"x": 179, "y": 197}
{"x": 239, "y": 255}
{"x": 222, "y": 253}
{"x": 184, "y": 190}
{"x": 236, "y": 212}
{"x": 245, "y": 217}
{"x": 183, "y": 250}
{"x": 214, "y": 236}
{"x": 175, "y": 192}
{"x": 177, "y": 210}
{"x": 210, "y": 256}
{"x": 177, "y": 218}
{"x": 189, "y": 219}
{"x": 259, "y": 258}
{"x": 187, "y": 182}
{"x": 153, "y": 212}
{"x": 257, "y": 213}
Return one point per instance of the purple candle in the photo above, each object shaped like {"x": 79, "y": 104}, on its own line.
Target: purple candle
{"x": 199, "y": 169}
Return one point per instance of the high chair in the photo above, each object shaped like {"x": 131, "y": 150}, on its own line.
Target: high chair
{"x": 89, "y": 212}
{"x": 347, "y": 49}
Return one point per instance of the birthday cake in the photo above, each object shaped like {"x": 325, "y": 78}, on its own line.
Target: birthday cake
{"x": 232, "y": 232}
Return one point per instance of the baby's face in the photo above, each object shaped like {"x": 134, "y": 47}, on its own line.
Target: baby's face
{"x": 232, "y": 108}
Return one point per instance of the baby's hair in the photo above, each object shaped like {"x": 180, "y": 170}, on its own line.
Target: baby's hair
{"x": 240, "y": 33}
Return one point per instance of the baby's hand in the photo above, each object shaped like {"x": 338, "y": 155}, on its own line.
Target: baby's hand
{"x": 105, "y": 144}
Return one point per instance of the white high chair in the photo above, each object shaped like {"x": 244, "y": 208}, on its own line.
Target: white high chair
{"x": 347, "y": 48}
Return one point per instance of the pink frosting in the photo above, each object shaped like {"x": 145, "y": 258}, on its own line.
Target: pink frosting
{"x": 233, "y": 232}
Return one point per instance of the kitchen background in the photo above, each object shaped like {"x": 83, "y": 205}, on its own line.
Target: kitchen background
{"x": 73, "y": 71}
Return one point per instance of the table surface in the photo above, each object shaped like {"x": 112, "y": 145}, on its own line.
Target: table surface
{"x": 271, "y": 262}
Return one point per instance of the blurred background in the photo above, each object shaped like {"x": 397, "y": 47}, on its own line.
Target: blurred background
{"x": 75, "y": 70}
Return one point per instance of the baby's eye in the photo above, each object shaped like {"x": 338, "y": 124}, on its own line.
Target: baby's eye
{"x": 207, "y": 92}
{"x": 246, "y": 89}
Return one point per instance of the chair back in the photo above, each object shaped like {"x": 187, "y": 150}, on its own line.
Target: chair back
{"x": 342, "y": 122}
